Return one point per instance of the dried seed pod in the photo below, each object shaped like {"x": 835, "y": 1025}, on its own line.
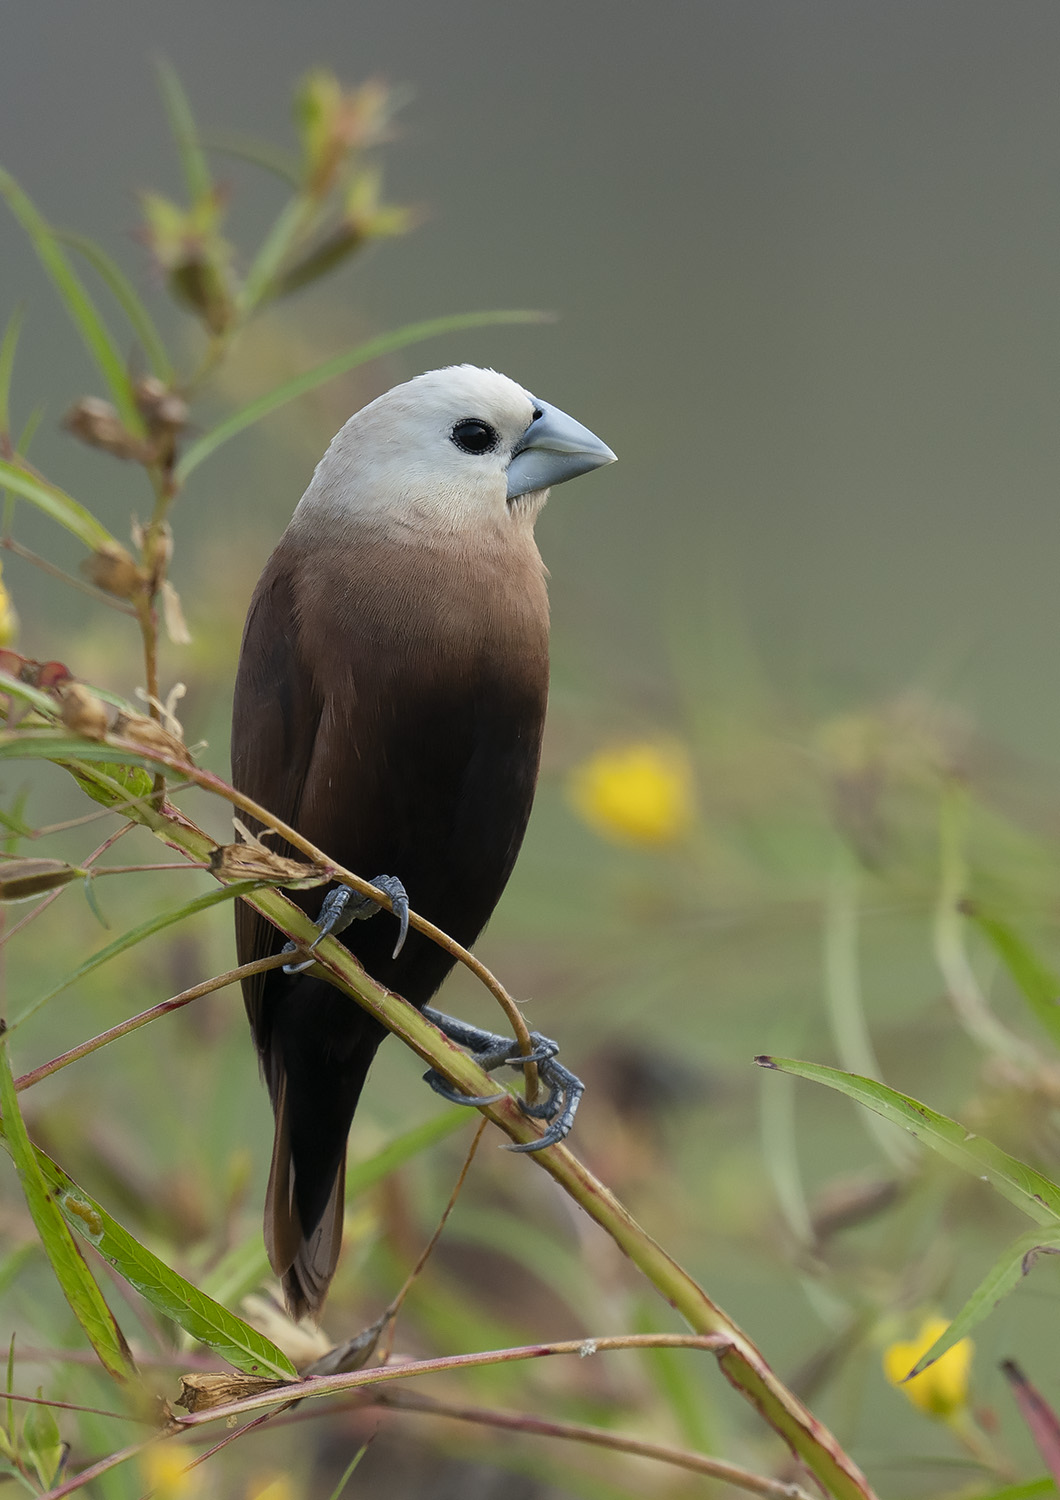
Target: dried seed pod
{"x": 150, "y": 735}
{"x": 84, "y": 713}
{"x": 97, "y": 423}
{"x": 255, "y": 862}
{"x": 25, "y": 879}
{"x": 115, "y": 571}
{"x": 204, "y": 1392}
{"x": 163, "y": 410}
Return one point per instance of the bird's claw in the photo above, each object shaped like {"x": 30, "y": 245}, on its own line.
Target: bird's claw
{"x": 491, "y": 1051}
{"x": 344, "y": 905}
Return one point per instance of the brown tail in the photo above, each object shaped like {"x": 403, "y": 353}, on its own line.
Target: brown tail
{"x": 305, "y": 1265}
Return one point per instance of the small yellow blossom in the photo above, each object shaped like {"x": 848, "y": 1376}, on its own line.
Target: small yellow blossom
{"x": 163, "y": 1468}
{"x": 8, "y": 617}
{"x": 942, "y": 1389}
{"x": 640, "y": 793}
{"x": 272, "y": 1487}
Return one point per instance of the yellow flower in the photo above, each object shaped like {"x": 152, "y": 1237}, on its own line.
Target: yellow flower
{"x": 942, "y": 1389}
{"x": 275, "y": 1487}
{"x": 638, "y": 793}
{"x": 8, "y": 617}
{"x": 163, "y": 1470}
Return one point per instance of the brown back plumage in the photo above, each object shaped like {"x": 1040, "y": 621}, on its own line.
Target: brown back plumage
{"x": 389, "y": 704}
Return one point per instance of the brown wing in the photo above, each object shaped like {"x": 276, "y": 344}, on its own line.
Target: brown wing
{"x": 275, "y": 718}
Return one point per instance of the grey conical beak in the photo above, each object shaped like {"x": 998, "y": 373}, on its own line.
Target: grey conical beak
{"x": 553, "y": 448}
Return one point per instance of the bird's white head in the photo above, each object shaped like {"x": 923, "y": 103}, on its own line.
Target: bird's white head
{"x": 454, "y": 450}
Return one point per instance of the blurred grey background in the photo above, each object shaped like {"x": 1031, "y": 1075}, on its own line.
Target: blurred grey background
{"x": 806, "y": 262}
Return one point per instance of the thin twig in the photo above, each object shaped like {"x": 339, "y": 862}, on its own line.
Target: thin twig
{"x": 95, "y": 1411}
{"x": 45, "y": 566}
{"x": 123, "y": 1028}
{"x": 108, "y": 843}
{"x": 599, "y": 1437}
{"x": 330, "y": 1385}
{"x": 429, "y": 1248}
{"x": 104, "y": 812}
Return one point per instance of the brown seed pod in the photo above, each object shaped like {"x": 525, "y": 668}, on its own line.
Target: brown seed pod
{"x": 84, "y": 713}
{"x": 115, "y": 571}
{"x": 25, "y": 879}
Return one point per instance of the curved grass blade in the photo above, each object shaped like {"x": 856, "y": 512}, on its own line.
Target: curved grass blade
{"x": 199, "y": 1315}
{"x": 78, "y": 303}
{"x": 277, "y": 245}
{"x": 127, "y": 298}
{"x": 138, "y": 935}
{"x": 1014, "y": 1263}
{"x": 280, "y": 163}
{"x": 1037, "y": 983}
{"x": 77, "y": 1282}
{"x": 185, "y": 134}
{"x": 1035, "y": 1194}
{"x": 7, "y": 361}
{"x": 386, "y": 343}
{"x": 54, "y": 502}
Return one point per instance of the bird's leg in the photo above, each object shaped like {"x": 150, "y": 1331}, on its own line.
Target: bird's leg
{"x": 493, "y": 1051}
{"x": 344, "y": 905}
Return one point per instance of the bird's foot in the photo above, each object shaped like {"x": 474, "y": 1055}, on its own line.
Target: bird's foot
{"x": 344, "y": 905}
{"x": 491, "y": 1051}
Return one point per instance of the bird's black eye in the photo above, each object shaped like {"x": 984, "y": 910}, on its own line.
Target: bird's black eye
{"x": 474, "y": 436}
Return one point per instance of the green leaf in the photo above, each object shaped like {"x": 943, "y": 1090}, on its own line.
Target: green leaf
{"x": 55, "y": 503}
{"x": 1038, "y": 984}
{"x": 128, "y": 299}
{"x": 43, "y": 1442}
{"x": 134, "y": 781}
{"x": 386, "y": 343}
{"x": 79, "y": 1287}
{"x": 1022, "y": 1185}
{"x": 79, "y": 304}
{"x": 185, "y": 134}
{"x": 7, "y": 361}
{"x": 1014, "y": 1263}
{"x": 138, "y": 935}
{"x": 199, "y": 1315}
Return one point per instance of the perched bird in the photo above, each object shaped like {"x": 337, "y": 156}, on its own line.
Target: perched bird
{"x": 389, "y": 704}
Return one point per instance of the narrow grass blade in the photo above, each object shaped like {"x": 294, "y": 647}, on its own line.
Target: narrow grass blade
{"x": 78, "y": 303}
{"x": 127, "y": 298}
{"x": 1022, "y": 1185}
{"x": 347, "y": 1476}
{"x": 195, "y": 1312}
{"x": 1014, "y": 1263}
{"x": 277, "y": 245}
{"x": 138, "y": 935}
{"x": 7, "y": 361}
{"x": 281, "y": 164}
{"x": 73, "y": 1275}
{"x": 54, "y": 502}
{"x": 185, "y": 134}
{"x": 1038, "y": 984}
{"x": 386, "y": 343}
{"x": 1030, "y": 1489}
